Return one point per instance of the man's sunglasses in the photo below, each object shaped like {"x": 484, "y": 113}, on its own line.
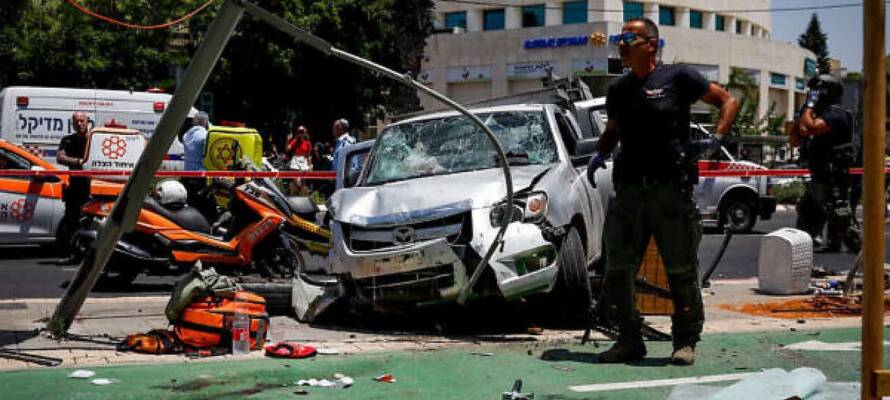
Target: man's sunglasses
{"x": 625, "y": 38}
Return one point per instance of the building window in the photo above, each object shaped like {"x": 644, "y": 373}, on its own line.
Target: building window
{"x": 666, "y": 16}
{"x": 632, "y": 9}
{"x": 696, "y": 19}
{"x": 532, "y": 16}
{"x": 493, "y": 20}
{"x": 456, "y": 20}
{"x": 574, "y": 12}
{"x": 720, "y": 23}
{"x": 777, "y": 79}
{"x": 738, "y": 26}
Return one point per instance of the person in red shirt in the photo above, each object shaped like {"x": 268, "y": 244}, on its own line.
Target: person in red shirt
{"x": 298, "y": 153}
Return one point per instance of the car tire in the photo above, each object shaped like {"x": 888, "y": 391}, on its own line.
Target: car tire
{"x": 278, "y": 295}
{"x": 739, "y": 215}
{"x": 572, "y": 292}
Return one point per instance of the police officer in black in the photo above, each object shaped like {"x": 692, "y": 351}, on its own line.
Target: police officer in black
{"x": 831, "y": 153}
{"x": 72, "y": 152}
{"x": 649, "y": 114}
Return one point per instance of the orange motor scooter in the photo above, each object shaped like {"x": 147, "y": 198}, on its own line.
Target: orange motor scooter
{"x": 262, "y": 231}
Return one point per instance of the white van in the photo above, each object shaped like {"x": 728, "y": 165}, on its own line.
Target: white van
{"x": 37, "y": 118}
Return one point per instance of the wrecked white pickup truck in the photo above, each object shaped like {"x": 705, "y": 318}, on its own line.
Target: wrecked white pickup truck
{"x": 430, "y": 200}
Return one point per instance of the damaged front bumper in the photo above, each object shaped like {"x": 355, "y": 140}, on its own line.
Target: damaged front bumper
{"x": 437, "y": 269}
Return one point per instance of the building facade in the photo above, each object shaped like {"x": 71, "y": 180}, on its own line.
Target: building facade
{"x": 499, "y": 48}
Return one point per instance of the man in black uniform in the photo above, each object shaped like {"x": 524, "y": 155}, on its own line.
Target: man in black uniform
{"x": 72, "y": 151}
{"x": 649, "y": 113}
{"x": 831, "y": 154}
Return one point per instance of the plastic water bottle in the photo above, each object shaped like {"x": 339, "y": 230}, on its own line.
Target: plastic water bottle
{"x": 241, "y": 334}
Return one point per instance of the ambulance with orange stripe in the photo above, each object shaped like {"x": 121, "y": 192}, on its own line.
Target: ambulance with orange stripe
{"x": 37, "y": 118}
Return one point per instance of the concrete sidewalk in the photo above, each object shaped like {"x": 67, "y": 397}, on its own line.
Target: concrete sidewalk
{"x": 104, "y": 322}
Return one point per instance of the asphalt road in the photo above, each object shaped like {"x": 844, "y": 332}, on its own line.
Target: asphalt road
{"x": 29, "y": 272}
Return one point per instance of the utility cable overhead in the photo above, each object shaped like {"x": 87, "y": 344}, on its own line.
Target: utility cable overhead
{"x": 128, "y": 25}
{"x": 749, "y": 10}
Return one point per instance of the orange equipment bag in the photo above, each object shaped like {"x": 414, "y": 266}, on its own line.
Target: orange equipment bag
{"x": 207, "y": 321}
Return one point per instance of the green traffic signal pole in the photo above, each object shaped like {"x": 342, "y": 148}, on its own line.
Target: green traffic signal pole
{"x": 126, "y": 209}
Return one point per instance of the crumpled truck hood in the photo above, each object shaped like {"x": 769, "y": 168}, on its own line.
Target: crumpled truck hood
{"x": 428, "y": 198}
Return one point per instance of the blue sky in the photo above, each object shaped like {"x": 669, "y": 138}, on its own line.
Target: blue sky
{"x": 843, "y": 26}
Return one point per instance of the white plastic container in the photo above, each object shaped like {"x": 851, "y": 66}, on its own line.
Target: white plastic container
{"x": 786, "y": 261}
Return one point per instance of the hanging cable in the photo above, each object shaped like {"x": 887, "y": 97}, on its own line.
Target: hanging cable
{"x": 125, "y": 24}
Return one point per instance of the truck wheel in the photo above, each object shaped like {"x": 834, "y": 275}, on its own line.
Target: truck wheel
{"x": 739, "y": 215}
{"x": 572, "y": 291}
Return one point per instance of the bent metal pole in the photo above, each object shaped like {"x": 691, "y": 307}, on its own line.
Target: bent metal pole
{"x": 873, "y": 132}
{"x": 129, "y": 202}
{"x": 326, "y": 48}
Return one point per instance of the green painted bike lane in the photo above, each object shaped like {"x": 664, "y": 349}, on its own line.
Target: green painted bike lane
{"x": 480, "y": 372}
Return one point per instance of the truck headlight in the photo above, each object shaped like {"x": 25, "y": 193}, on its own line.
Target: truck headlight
{"x": 530, "y": 207}
{"x": 535, "y": 207}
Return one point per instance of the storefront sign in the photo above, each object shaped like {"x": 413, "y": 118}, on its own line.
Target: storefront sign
{"x": 590, "y": 67}
{"x": 548, "y": 43}
{"x": 809, "y": 67}
{"x": 778, "y": 80}
{"x": 530, "y": 70}
{"x": 477, "y": 73}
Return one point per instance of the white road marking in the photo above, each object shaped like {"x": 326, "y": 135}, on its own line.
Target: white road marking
{"x": 816, "y": 345}
{"x": 600, "y": 387}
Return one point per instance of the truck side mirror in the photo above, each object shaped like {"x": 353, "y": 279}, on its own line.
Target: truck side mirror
{"x": 583, "y": 149}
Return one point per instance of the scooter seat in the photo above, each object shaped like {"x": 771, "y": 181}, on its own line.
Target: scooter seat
{"x": 186, "y": 217}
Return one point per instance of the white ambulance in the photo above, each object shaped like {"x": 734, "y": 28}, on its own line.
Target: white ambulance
{"x": 37, "y": 118}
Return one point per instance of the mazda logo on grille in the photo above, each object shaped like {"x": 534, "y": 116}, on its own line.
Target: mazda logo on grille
{"x": 403, "y": 235}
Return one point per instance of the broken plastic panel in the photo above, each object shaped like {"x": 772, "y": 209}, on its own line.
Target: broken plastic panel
{"x": 453, "y": 144}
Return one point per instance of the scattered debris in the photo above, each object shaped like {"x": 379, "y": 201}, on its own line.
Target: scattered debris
{"x": 328, "y": 351}
{"x": 480, "y": 354}
{"x": 772, "y": 384}
{"x": 104, "y": 381}
{"x": 535, "y": 330}
{"x": 814, "y": 307}
{"x": 82, "y": 374}
{"x": 338, "y": 380}
{"x": 301, "y": 392}
{"x": 515, "y": 394}
{"x": 385, "y": 378}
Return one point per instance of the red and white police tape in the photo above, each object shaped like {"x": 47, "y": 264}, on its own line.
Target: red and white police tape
{"x": 190, "y": 174}
{"x": 329, "y": 175}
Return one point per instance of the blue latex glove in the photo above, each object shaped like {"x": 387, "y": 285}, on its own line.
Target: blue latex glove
{"x": 812, "y": 98}
{"x": 596, "y": 162}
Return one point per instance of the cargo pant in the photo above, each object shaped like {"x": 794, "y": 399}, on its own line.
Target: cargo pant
{"x": 668, "y": 212}
{"x": 827, "y": 201}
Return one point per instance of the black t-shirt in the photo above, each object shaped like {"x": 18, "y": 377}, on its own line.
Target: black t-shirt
{"x": 75, "y": 145}
{"x": 653, "y": 116}
{"x": 823, "y": 146}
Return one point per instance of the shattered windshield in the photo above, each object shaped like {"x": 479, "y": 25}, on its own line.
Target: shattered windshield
{"x": 454, "y": 144}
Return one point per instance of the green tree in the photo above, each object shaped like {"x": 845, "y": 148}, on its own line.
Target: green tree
{"x": 263, "y": 78}
{"x": 813, "y": 39}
